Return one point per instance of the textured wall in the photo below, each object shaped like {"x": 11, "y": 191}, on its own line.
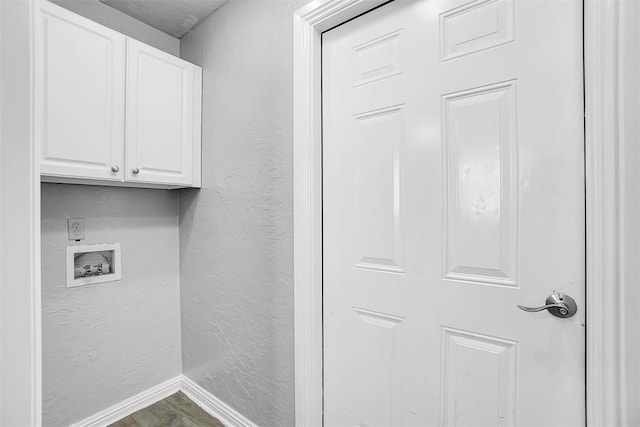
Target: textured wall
{"x": 174, "y": 17}
{"x": 236, "y": 234}
{"x": 118, "y": 21}
{"x": 106, "y": 342}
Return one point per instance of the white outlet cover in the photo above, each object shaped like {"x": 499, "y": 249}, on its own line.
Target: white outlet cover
{"x": 75, "y": 228}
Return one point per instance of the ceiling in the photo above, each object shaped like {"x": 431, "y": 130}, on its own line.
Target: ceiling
{"x": 174, "y": 17}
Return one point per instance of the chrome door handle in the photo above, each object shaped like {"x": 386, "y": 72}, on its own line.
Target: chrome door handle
{"x": 558, "y": 304}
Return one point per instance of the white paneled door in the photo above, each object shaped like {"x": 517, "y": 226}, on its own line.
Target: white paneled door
{"x": 453, "y": 191}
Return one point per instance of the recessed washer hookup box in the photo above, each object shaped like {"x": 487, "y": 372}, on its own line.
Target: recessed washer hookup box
{"x": 91, "y": 264}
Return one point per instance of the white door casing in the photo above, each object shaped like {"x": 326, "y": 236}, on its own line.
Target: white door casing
{"x": 20, "y": 309}
{"x": 83, "y": 79}
{"x": 162, "y": 106}
{"x": 453, "y": 191}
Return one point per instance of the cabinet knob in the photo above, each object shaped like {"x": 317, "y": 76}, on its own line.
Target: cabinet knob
{"x": 115, "y": 169}
{"x": 135, "y": 171}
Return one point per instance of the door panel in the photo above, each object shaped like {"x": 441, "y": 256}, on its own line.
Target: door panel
{"x": 378, "y": 189}
{"x": 83, "y": 71}
{"x": 479, "y": 376}
{"x": 479, "y": 136}
{"x": 453, "y": 190}
{"x": 160, "y": 111}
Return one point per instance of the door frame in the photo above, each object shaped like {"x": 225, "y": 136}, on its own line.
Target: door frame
{"x": 20, "y": 301}
{"x": 603, "y": 25}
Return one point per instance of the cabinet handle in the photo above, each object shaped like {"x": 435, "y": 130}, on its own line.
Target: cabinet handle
{"x": 135, "y": 171}
{"x": 115, "y": 169}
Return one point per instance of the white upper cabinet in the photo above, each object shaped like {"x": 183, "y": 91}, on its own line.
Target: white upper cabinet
{"x": 114, "y": 110}
{"x": 162, "y": 102}
{"x": 83, "y": 87}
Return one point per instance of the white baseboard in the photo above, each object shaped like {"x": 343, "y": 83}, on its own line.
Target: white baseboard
{"x": 132, "y": 404}
{"x": 214, "y": 406}
{"x": 208, "y": 402}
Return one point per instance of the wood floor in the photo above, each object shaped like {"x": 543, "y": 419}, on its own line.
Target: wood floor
{"x": 175, "y": 411}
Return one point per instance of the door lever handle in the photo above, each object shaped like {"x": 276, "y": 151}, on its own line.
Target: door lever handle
{"x": 557, "y": 304}
{"x": 562, "y": 307}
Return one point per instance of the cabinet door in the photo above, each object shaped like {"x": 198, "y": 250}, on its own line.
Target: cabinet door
{"x": 82, "y": 71}
{"x": 160, "y": 136}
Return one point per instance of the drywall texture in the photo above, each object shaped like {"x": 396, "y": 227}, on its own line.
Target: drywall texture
{"x": 104, "y": 343}
{"x": 174, "y": 17}
{"x": 236, "y": 234}
{"x": 119, "y": 21}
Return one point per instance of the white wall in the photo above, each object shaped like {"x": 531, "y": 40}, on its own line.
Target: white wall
{"x": 106, "y": 342}
{"x": 236, "y": 244}
{"x": 19, "y": 205}
{"x": 113, "y": 18}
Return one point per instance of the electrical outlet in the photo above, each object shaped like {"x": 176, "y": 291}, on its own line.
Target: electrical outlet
{"x": 76, "y": 228}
